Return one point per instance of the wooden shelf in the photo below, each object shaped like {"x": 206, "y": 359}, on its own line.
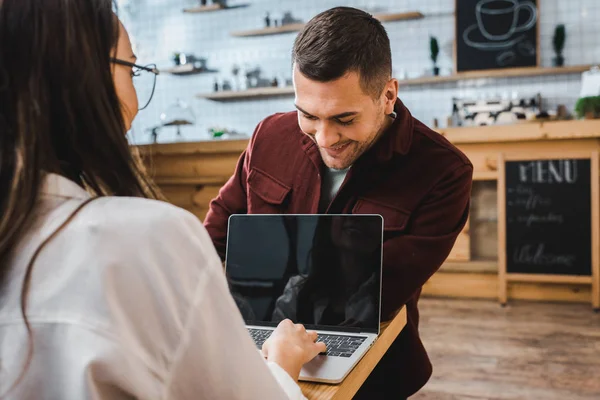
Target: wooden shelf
{"x": 297, "y": 27}
{"x": 269, "y": 31}
{"x": 209, "y": 8}
{"x": 201, "y": 9}
{"x": 250, "y": 93}
{"x": 406, "y": 16}
{"x": 502, "y": 73}
{"x": 496, "y": 73}
{"x": 187, "y": 69}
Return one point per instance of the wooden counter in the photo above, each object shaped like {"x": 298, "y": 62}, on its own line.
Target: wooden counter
{"x": 478, "y": 277}
{"x": 191, "y": 174}
{"x": 355, "y": 379}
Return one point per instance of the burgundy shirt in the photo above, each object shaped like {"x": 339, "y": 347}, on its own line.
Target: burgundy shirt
{"x": 417, "y": 180}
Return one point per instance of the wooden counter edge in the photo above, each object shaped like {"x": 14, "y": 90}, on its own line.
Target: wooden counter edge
{"x": 190, "y": 148}
{"x": 348, "y": 388}
{"x": 539, "y": 130}
{"x": 551, "y": 130}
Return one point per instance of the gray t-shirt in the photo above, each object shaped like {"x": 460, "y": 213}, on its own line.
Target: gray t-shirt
{"x": 330, "y": 184}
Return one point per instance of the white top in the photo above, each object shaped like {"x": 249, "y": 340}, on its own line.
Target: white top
{"x": 128, "y": 301}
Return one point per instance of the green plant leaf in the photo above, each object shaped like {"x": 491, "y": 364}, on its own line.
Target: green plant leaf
{"x": 434, "y": 48}
{"x": 558, "y": 41}
{"x": 585, "y": 105}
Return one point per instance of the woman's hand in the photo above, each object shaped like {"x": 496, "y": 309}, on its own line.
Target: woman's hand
{"x": 291, "y": 346}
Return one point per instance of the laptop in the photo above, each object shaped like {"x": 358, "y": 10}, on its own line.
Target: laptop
{"x": 323, "y": 271}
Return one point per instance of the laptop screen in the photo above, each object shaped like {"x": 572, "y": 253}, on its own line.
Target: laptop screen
{"x": 323, "y": 271}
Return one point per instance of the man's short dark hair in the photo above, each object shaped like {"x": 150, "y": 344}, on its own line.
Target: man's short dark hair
{"x": 342, "y": 40}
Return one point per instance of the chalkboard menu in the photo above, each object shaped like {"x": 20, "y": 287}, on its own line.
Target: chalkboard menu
{"x": 492, "y": 34}
{"x": 548, "y": 217}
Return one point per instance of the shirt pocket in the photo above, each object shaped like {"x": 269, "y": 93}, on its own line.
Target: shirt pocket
{"x": 266, "y": 195}
{"x": 395, "y": 219}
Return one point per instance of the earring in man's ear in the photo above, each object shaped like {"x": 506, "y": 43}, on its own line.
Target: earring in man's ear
{"x": 393, "y": 115}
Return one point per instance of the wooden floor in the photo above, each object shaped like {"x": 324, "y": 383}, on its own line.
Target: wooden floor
{"x": 527, "y": 350}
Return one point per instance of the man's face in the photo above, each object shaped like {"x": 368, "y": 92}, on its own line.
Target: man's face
{"x": 339, "y": 117}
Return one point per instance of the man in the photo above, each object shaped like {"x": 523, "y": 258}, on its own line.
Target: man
{"x": 352, "y": 147}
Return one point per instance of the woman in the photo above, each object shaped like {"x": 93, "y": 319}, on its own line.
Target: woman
{"x": 342, "y": 284}
{"x": 111, "y": 294}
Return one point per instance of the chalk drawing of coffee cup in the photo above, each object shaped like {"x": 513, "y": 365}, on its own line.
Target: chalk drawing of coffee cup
{"x": 498, "y": 19}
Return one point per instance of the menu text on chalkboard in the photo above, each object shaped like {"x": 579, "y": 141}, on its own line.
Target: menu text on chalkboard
{"x": 548, "y": 217}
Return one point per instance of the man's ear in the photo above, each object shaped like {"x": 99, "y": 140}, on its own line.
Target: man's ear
{"x": 391, "y": 95}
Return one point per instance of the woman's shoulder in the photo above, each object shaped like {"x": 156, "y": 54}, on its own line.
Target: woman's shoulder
{"x": 137, "y": 247}
{"x": 136, "y": 267}
{"x": 135, "y": 218}
{"x": 139, "y": 231}
{"x": 138, "y": 213}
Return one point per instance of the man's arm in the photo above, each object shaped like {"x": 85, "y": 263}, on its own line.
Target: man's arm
{"x": 411, "y": 258}
{"x": 230, "y": 200}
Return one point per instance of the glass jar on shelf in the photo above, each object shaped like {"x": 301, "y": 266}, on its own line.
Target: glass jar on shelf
{"x": 177, "y": 115}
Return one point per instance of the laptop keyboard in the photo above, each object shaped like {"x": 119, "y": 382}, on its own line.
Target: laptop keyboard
{"x": 341, "y": 346}
{"x": 259, "y": 336}
{"x": 337, "y": 345}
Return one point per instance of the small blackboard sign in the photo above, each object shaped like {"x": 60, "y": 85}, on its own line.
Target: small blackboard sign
{"x": 549, "y": 220}
{"x": 495, "y": 34}
{"x": 548, "y": 217}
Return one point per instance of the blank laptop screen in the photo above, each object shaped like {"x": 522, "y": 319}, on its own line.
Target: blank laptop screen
{"x": 323, "y": 271}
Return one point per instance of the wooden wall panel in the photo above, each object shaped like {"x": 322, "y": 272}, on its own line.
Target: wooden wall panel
{"x": 193, "y": 166}
{"x": 194, "y": 198}
{"x": 479, "y": 285}
{"x": 462, "y": 247}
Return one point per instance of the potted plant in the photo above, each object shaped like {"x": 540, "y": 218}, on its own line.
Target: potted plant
{"x": 588, "y": 107}
{"x": 435, "y": 51}
{"x": 558, "y": 42}
{"x": 177, "y": 58}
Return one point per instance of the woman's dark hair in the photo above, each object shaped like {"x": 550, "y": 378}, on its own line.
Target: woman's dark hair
{"x": 324, "y": 269}
{"x": 59, "y": 111}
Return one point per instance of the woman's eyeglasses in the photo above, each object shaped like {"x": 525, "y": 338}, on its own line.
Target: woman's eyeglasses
{"x": 145, "y": 79}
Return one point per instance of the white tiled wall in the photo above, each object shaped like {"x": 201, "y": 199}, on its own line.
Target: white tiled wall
{"x": 159, "y": 27}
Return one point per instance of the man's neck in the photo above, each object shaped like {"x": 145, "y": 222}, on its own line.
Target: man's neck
{"x": 387, "y": 123}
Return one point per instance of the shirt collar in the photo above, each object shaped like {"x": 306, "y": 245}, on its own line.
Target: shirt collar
{"x": 59, "y": 186}
{"x": 398, "y": 137}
